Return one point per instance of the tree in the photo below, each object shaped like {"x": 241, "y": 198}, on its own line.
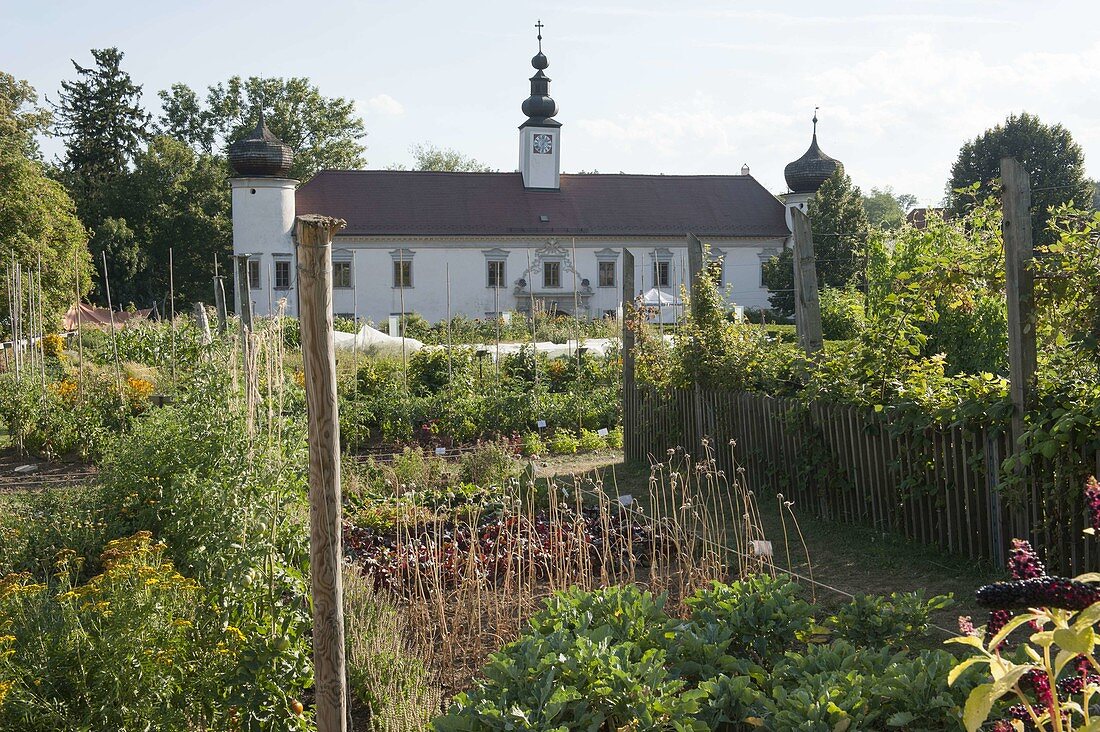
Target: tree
{"x": 324, "y": 132}
{"x": 38, "y": 222}
{"x": 1048, "y": 153}
{"x": 174, "y": 199}
{"x": 444, "y": 159}
{"x": 21, "y": 119}
{"x": 840, "y": 229}
{"x": 885, "y": 209}
{"x": 100, "y": 116}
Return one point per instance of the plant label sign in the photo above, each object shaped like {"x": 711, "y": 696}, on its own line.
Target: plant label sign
{"x": 440, "y": 451}
{"x": 602, "y": 432}
{"x": 541, "y": 424}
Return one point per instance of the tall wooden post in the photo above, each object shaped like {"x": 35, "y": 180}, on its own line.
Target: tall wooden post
{"x": 629, "y": 394}
{"x": 314, "y": 236}
{"x": 1020, "y": 290}
{"x": 219, "y": 304}
{"x": 695, "y": 271}
{"x": 806, "y": 297}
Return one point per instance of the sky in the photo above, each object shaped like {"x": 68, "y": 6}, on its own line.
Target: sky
{"x": 642, "y": 87}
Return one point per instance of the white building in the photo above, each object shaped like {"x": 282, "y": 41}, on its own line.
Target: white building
{"x": 484, "y": 243}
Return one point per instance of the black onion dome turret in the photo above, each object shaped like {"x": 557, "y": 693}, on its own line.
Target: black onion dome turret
{"x": 261, "y": 154}
{"x": 806, "y": 174}
{"x": 540, "y": 108}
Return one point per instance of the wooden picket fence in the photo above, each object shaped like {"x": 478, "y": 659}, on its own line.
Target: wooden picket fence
{"x": 943, "y": 486}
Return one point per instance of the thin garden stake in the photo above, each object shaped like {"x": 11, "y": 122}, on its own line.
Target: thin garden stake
{"x": 450, "y": 372}
{"x": 172, "y": 312}
{"x": 114, "y": 332}
{"x": 79, "y": 329}
{"x": 401, "y": 319}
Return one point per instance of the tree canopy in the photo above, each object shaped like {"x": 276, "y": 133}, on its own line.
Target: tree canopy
{"x": 1054, "y": 162}
{"x": 427, "y": 156}
{"x": 38, "y": 222}
{"x": 886, "y": 209}
{"x": 840, "y": 230}
{"x": 324, "y": 132}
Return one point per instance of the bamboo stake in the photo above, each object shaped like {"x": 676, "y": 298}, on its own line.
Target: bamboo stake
{"x": 314, "y": 236}
{"x": 172, "y": 311}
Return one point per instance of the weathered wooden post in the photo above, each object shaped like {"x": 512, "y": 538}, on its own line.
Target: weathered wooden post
{"x": 1020, "y": 290}
{"x": 202, "y": 322}
{"x": 314, "y": 242}
{"x": 219, "y": 304}
{"x": 629, "y": 394}
{"x": 807, "y": 299}
{"x": 695, "y": 271}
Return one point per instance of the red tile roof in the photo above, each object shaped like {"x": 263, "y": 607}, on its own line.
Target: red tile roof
{"x": 419, "y": 203}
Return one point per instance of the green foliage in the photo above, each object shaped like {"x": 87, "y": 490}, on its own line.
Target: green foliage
{"x": 885, "y": 209}
{"x": 894, "y": 622}
{"x": 590, "y": 441}
{"x": 840, "y": 232}
{"x": 21, "y": 120}
{"x": 588, "y": 660}
{"x": 219, "y": 637}
{"x": 532, "y": 444}
{"x": 1054, "y": 162}
{"x": 324, "y": 132}
{"x": 427, "y": 156}
{"x": 763, "y": 617}
{"x": 842, "y": 315}
{"x": 563, "y": 442}
{"x": 489, "y": 464}
{"x": 38, "y": 224}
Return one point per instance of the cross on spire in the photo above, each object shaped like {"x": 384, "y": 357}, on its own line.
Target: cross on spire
{"x": 539, "y": 26}
{"x": 815, "y": 120}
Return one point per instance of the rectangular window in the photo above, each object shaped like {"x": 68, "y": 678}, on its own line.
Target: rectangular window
{"x": 551, "y": 274}
{"x": 661, "y": 274}
{"x": 341, "y": 274}
{"x": 282, "y": 274}
{"x": 402, "y": 274}
{"x": 496, "y": 273}
{"x": 254, "y": 274}
{"x": 607, "y": 274}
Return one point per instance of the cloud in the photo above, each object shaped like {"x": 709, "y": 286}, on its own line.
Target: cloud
{"x": 386, "y": 105}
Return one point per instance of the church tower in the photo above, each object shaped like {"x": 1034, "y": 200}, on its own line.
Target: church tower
{"x": 805, "y": 175}
{"x": 263, "y": 216}
{"x": 540, "y": 135}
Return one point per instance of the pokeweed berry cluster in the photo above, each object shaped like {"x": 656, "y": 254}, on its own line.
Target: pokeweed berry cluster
{"x": 1056, "y": 592}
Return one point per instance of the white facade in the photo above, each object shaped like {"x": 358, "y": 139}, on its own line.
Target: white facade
{"x": 455, "y": 275}
{"x": 263, "y": 226}
{"x": 540, "y": 156}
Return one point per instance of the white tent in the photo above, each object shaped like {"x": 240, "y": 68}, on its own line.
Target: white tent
{"x": 369, "y": 340}
{"x": 668, "y": 306}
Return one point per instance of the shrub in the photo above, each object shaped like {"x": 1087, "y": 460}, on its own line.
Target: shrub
{"x": 563, "y": 442}
{"x": 878, "y": 621}
{"x": 763, "y": 616}
{"x": 489, "y": 464}
{"x": 842, "y": 315}
{"x": 387, "y": 676}
{"x": 615, "y": 438}
{"x": 137, "y": 646}
{"x": 415, "y": 469}
{"x": 589, "y": 442}
{"x": 532, "y": 444}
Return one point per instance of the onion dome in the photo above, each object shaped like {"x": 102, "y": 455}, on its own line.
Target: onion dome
{"x": 806, "y": 174}
{"x": 539, "y": 107}
{"x": 261, "y": 154}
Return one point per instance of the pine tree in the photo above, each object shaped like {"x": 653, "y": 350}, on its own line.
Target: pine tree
{"x": 99, "y": 115}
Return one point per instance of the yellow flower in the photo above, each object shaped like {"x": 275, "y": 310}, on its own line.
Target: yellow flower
{"x": 5, "y": 687}
{"x": 300, "y": 378}
{"x": 235, "y": 632}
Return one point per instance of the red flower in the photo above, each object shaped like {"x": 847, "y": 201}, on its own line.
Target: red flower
{"x": 1024, "y": 562}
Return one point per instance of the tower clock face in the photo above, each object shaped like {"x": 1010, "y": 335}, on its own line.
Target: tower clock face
{"x": 543, "y": 144}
